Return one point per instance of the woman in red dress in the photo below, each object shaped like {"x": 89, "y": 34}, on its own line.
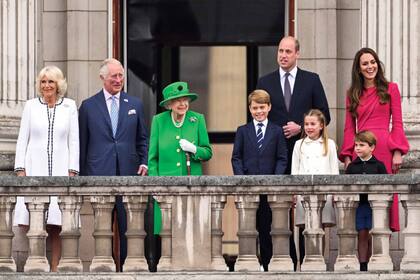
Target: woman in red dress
{"x": 373, "y": 103}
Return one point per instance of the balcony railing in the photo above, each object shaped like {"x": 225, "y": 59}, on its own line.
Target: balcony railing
{"x": 192, "y": 219}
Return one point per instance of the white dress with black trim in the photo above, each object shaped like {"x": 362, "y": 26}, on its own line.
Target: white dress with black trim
{"x": 48, "y": 145}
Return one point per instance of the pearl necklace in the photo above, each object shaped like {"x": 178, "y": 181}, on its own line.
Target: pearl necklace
{"x": 176, "y": 123}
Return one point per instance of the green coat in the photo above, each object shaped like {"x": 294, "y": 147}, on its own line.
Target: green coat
{"x": 166, "y": 158}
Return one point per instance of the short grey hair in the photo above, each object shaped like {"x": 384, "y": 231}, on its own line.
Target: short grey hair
{"x": 52, "y": 73}
{"x": 104, "y": 70}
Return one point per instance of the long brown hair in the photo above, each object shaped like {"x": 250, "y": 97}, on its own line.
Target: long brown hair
{"x": 324, "y": 132}
{"x": 357, "y": 82}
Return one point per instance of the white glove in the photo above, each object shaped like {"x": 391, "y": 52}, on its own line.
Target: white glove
{"x": 187, "y": 146}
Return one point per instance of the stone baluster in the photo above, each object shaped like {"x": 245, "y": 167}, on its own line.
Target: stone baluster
{"x": 70, "y": 234}
{"x": 411, "y": 258}
{"x": 102, "y": 207}
{"x": 247, "y": 212}
{"x": 37, "y": 261}
{"x": 165, "y": 204}
{"x": 217, "y": 206}
{"x": 7, "y": 263}
{"x": 314, "y": 260}
{"x": 381, "y": 234}
{"x": 280, "y": 233}
{"x": 347, "y": 234}
{"x": 135, "y": 261}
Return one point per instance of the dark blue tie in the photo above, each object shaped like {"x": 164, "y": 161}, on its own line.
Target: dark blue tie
{"x": 260, "y": 136}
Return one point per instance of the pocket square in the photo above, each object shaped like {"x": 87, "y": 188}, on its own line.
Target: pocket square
{"x": 132, "y": 112}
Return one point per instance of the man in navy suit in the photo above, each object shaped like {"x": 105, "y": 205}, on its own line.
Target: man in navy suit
{"x": 305, "y": 89}
{"x": 293, "y": 93}
{"x": 113, "y": 139}
{"x": 260, "y": 149}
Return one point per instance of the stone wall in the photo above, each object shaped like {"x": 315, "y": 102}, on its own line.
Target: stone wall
{"x": 192, "y": 221}
{"x": 34, "y": 33}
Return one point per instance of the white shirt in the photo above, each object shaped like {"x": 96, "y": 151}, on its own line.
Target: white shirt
{"x": 108, "y": 99}
{"x": 292, "y": 78}
{"x": 308, "y": 158}
{"x": 263, "y": 128}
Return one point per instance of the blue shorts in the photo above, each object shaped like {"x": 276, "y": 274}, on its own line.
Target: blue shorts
{"x": 363, "y": 216}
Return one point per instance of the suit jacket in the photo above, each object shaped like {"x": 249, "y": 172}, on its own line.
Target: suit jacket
{"x": 307, "y": 94}
{"x": 166, "y": 157}
{"x": 100, "y": 152}
{"x": 247, "y": 159}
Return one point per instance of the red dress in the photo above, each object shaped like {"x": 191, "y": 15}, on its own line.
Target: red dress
{"x": 376, "y": 118}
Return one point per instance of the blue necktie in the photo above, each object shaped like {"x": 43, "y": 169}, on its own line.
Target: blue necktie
{"x": 260, "y": 136}
{"x": 114, "y": 115}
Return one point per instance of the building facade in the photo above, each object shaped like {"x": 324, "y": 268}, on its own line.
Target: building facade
{"x": 76, "y": 35}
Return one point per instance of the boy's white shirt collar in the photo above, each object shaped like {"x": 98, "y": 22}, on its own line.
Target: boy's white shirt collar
{"x": 366, "y": 159}
{"x": 265, "y": 122}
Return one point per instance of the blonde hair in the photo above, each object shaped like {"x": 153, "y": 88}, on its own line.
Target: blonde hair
{"x": 259, "y": 96}
{"x": 52, "y": 73}
{"x": 324, "y": 133}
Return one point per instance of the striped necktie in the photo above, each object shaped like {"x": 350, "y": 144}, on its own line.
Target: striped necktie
{"x": 260, "y": 135}
{"x": 114, "y": 115}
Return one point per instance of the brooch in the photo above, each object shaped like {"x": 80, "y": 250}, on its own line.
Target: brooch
{"x": 193, "y": 119}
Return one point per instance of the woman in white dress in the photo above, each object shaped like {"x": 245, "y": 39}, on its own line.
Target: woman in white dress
{"x": 48, "y": 145}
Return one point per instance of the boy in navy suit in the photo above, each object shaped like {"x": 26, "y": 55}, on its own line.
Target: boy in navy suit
{"x": 260, "y": 149}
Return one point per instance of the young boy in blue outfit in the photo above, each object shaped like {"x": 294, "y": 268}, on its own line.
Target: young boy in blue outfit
{"x": 365, "y": 163}
{"x": 260, "y": 149}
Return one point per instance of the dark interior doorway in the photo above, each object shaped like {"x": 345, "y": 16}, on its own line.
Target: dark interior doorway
{"x": 157, "y": 30}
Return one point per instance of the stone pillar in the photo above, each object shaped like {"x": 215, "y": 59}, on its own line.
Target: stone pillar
{"x": 102, "y": 207}
{"x": 247, "y": 213}
{"x": 381, "y": 234}
{"x": 165, "y": 262}
{"x": 347, "y": 234}
{"x": 392, "y": 28}
{"x": 37, "y": 261}
{"x": 7, "y": 263}
{"x": 18, "y": 51}
{"x": 280, "y": 233}
{"x": 135, "y": 205}
{"x": 70, "y": 234}
{"x": 217, "y": 206}
{"x": 314, "y": 260}
{"x": 411, "y": 258}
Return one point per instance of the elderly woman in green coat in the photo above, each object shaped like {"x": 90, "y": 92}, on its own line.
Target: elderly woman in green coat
{"x": 177, "y": 132}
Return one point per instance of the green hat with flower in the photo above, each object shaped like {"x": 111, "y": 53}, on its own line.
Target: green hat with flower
{"x": 176, "y": 90}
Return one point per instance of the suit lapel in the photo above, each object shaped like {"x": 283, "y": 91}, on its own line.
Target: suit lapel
{"x": 252, "y": 134}
{"x": 122, "y": 113}
{"x": 297, "y": 89}
{"x": 277, "y": 88}
{"x": 100, "y": 101}
{"x": 267, "y": 136}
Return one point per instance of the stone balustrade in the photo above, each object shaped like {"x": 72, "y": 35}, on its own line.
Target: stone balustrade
{"x": 192, "y": 219}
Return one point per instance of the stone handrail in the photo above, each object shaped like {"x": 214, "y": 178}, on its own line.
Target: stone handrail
{"x": 192, "y": 219}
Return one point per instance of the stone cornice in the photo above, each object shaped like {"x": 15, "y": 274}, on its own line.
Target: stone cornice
{"x": 199, "y": 185}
